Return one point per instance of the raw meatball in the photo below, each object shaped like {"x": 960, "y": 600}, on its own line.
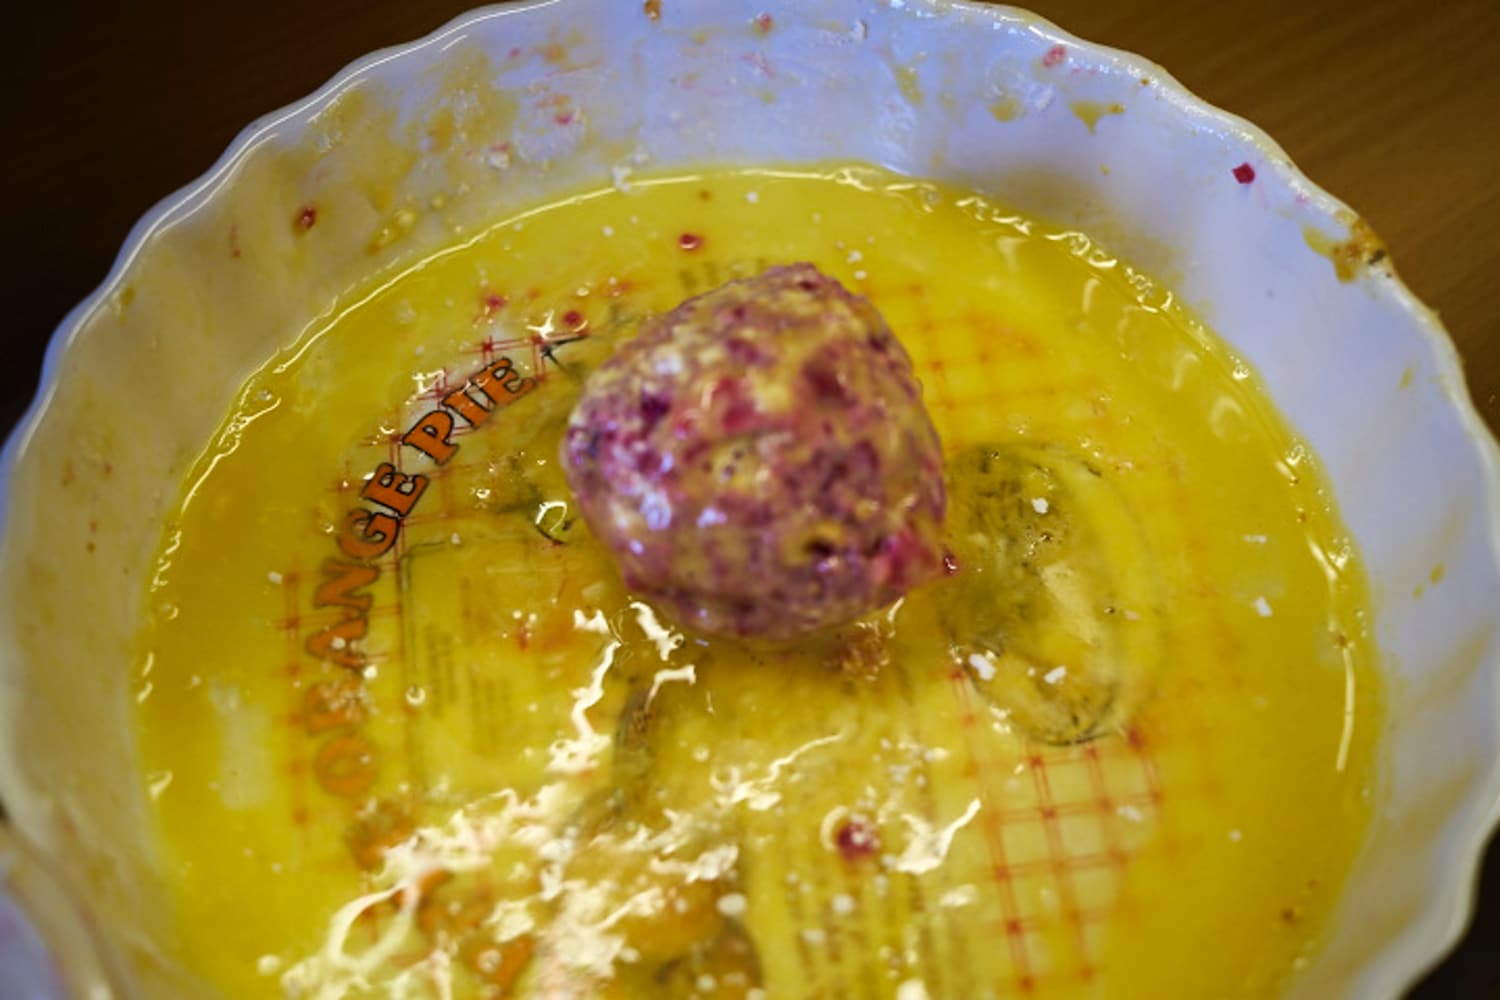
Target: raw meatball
{"x": 759, "y": 460}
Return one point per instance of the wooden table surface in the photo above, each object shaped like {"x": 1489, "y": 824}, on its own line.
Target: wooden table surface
{"x": 1389, "y": 104}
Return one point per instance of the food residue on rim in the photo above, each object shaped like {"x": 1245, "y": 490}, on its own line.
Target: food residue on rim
{"x": 1005, "y": 108}
{"x": 1090, "y": 112}
{"x": 1351, "y": 256}
{"x": 909, "y": 80}
{"x": 1244, "y": 173}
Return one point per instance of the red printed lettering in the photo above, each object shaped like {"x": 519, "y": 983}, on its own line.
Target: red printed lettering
{"x": 334, "y": 643}
{"x": 430, "y": 436}
{"x": 343, "y": 579}
{"x": 332, "y": 705}
{"x": 368, "y": 536}
{"x": 345, "y": 766}
{"x": 393, "y": 489}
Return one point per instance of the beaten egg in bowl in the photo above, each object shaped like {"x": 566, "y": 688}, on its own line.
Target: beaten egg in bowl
{"x": 405, "y": 731}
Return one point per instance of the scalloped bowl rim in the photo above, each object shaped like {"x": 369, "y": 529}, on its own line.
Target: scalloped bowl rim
{"x": 1424, "y": 941}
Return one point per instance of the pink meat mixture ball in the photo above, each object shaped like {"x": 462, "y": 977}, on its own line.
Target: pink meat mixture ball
{"x": 759, "y": 460}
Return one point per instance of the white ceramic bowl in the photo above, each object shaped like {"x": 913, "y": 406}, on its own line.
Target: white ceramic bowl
{"x": 212, "y": 282}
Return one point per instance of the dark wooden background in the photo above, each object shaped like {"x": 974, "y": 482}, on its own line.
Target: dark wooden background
{"x": 1390, "y": 104}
